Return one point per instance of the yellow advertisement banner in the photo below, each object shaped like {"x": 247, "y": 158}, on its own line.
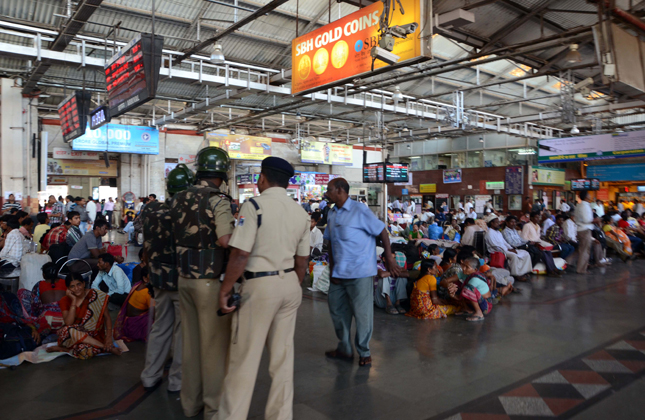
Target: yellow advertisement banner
{"x": 240, "y": 146}
{"x": 341, "y": 49}
{"x": 326, "y": 153}
{"x": 428, "y": 188}
{"x": 81, "y": 168}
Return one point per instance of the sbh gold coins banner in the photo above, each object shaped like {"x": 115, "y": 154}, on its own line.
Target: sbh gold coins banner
{"x": 342, "y": 48}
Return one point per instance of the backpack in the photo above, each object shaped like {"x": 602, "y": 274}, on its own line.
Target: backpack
{"x": 16, "y": 338}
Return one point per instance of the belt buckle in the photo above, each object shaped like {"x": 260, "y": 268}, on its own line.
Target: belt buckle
{"x": 281, "y": 274}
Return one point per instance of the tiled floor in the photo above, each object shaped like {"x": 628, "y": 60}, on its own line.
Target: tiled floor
{"x": 564, "y": 347}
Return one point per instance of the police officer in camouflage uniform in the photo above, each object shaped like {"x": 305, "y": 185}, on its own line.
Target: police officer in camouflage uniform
{"x": 160, "y": 256}
{"x": 203, "y": 224}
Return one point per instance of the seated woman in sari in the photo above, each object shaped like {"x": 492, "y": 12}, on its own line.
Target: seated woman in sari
{"x": 424, "y": 301}
{"x": 88, "y": 327}
{"x": 133, "y": 322}
{"x": 41, "y": 303}
{"x": 617, "y": 239}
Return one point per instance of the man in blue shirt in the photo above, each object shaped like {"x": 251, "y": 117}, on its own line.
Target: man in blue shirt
{"x": 112, "y": 280}
{"x": 352, "y": 230}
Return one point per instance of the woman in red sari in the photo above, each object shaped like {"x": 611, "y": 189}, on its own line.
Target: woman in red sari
{"x": 88, "y": 327}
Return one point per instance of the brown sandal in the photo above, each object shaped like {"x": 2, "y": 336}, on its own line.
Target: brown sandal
{"x": 365, "y": 361}
{"x": 335, "y": 354}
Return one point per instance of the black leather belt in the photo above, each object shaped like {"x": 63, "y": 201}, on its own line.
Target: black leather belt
{"x": 250, "y": 275}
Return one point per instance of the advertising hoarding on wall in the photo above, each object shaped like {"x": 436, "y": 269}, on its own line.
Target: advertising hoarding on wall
{"x": 600, "y": 146}
{"x": 428, "y": 188}
{"x": 451, "y": 176}
{"x": 81, "y": 168}
{"x": 546, "y": 176}
{"x": 341, "y": 50}
{"x": 65, "y": 153}
{"x": 241, "y": 147}
{"x": 117, "y": 138}
{"x": 326, "y": 153}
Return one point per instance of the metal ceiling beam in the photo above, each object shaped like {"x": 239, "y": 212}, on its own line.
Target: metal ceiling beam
{"x": 310, "y": 26}
{"x": 507, "y": 30}
{"x": 72, "y": 27}
{"x": 242, "y": 22}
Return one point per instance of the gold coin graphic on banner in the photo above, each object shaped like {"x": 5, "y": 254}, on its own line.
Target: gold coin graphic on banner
{"x": 339, "y": 54}
{"x": 304, "y": 67}
{"x": 321, "y": 61}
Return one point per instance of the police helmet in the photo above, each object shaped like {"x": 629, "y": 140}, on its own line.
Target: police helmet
{"x": 212, "y": 162}
{"x": 180, "y": 179}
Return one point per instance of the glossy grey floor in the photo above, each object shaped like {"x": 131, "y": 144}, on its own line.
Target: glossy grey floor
{"x": 420, "y": 369}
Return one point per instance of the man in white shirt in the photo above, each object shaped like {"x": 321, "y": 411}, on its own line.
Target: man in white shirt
{"x": 90, "y": 207}
{"x": 112, "y": 280}
{"x": 584, "y": 222}
{"x": 426, "y": 215}
{"x": 468, "y": 238}
{"x": 396, "y": 204}
{"x": 571, "y": 230}
{"x": 396, "y": 230}
{"x": 547, "y": 221}
{"x": 14, "y": 248}
{"x": 564, "y": 207}
{"x": 412, "y": 207}
{"x": 461, "y": 216}
{"x": 598, "y": 207}
{"x": 531, "y": 233}
{"x": 468, "y": 206}
{"x": 472, "y": 213}
{"x": 314, "y": 206}
{"x": 519, "y": 261}
{"x": 315, "y": 235}
{"x": 461, "y": 205}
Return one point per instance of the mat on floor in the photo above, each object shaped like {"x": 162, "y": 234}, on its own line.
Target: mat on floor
{"x": 40, "y": 355}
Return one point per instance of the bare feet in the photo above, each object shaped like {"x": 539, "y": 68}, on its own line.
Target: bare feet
{"x": 116, "y": 350}
{"x": 57, "y": 349}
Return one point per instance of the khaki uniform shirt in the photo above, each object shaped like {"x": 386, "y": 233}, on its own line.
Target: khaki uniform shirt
{"x": 284, "y": 232}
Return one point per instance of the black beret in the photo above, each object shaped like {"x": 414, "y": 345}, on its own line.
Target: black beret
{"x": 278, "y": 164}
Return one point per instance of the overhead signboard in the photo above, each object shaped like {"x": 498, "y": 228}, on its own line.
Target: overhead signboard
{"x": 64, "y": 153}
{"x": 117, "y": 138}
{"x": 72, "y": 113}
{"x": 624, "y": 172}
{"x": 588, "y": 184}
{"x": 80, "y": 168}
{"x": 131, "y": 76}
{"x": 495, "y": 185}
{"x": 99, "y": 117}
{"x": 600, "y": 146}
{"x": 547, "y": 176}
{"x": 241, "y": 147}
{"x": 340, "y": 51}
{"x": 326, "y": 153}
{"x": 396, "y": 172}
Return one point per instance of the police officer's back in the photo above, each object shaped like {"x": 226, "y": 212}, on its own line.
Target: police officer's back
{"x": 270, "y": 247}
{"x": 203, "y": 223}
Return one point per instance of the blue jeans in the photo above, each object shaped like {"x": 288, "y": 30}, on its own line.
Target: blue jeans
{"x": 566, "y": 250}
{"x": 637, "y": 243}
{"x": 353, "y": 299}
{"x": 83, "y": 227}
{"x": 129, "y": 229}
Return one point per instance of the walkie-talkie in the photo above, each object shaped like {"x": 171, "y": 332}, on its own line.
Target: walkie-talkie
{"x": 233, "y": 301}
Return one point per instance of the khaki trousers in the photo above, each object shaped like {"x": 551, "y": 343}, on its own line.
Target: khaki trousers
{"x": 584, "y": 246}
{"x": 165, "y": 331}
{"x": 267, "y": 316}
{"x": 206, "y": 338}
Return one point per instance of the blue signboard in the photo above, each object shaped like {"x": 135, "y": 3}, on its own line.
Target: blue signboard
{"x": 119, "y": 139}
{"x": 625, "y": 172}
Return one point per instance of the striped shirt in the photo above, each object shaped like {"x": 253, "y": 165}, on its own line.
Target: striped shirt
{"x": 13, "y": 248}
{"x": 8, "y": 206}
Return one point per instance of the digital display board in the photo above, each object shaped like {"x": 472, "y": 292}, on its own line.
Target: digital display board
{"x": 131, "y": 76}
{"x": 118, "y": 138}
{"x": 99, "y": 117}
{"x": 73, "y": 115}
{"x": 589, "y": 184}
{"x": 396, "y": 172}
{"x": 373, "y": 173}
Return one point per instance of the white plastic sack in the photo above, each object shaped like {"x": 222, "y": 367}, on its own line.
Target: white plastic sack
{"x": 321, "y": 282}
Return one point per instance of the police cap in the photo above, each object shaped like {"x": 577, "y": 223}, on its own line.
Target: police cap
{"x": 278, "y": 164}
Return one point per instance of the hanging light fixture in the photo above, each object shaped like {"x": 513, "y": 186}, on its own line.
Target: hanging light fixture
{"x": 232, "y": 130}
{"x": 398, "y": 96}
{"x": 218, "y": 56}
{"x": 298, "y": 115}
{"x": 574, "y": 130}
{"x": 573, "y": 56}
